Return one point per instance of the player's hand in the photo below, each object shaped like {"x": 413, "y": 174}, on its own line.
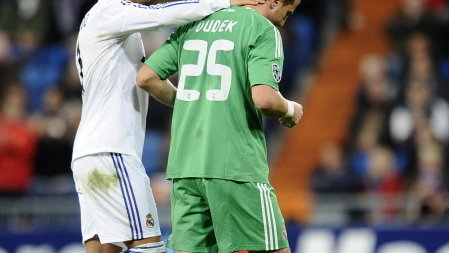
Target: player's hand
{"x": 294, "y": 120}
{"x": 245, "y": 2}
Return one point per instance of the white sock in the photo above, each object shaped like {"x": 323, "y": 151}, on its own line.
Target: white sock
{"x": 152, "y": 247}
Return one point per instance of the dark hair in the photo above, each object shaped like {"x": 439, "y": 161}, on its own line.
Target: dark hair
{"x": 288, "y": 2}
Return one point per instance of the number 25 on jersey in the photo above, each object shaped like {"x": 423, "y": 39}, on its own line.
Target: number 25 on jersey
{"x": 212, "y": 69}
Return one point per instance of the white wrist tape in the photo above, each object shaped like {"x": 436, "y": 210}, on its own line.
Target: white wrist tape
{"x": 290, "y": 109}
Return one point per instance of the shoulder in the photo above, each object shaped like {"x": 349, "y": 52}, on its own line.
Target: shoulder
{"x": 258, "y": 22}
{"x": 255, "y": 24}
{"x": 268, "y": 32}
{"x": 243, "y": 14}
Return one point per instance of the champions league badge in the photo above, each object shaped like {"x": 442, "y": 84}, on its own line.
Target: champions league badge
{"x": 284, "y": 233}
{"x": 150, "y": 220}
{"x": 277, "y": 74}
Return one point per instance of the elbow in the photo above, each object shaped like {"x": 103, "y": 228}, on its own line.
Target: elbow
{"x": 263, "y": 104}
{"x": 141, "y": 80}
{"x": 266, "y": 99}
{"x": 145, "y": 77}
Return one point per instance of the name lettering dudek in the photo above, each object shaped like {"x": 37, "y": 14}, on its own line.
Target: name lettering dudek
{"x": 216, "y": 26}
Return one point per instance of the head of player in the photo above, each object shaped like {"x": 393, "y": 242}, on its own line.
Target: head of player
{"x": 143, "y": 2}
{"x": 233, "y": 2}
{"x": 277, "y": 11}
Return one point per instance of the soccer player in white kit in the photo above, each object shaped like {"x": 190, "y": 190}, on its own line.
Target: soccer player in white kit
{"x": 118, "y": 211}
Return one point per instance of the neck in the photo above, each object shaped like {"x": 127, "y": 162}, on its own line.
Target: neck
{"x": 262, "y": 9}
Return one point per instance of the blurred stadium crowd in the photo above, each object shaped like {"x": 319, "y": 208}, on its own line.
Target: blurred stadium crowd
{"x": 398, "y": 141}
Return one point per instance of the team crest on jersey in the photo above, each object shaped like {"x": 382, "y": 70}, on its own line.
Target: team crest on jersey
{"x": 277, "y": 74}
{"x": 150, "y": 220}
{"x": 284, "y": 233}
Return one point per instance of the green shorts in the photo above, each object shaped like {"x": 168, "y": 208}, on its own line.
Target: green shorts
{"x": 230, "y": 215}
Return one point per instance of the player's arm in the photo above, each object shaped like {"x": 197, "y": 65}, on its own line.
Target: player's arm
{"x": 152, "y": 76}
{"x": 134, "y": 17}
{"x": 272, "y": 104}
{"x": 162, "y": 90}
{"x": 264, "y": 72}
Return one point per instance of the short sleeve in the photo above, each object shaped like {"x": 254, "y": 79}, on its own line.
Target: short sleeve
{"x": 265, "y": 60}
{"x": 164, "y": 61}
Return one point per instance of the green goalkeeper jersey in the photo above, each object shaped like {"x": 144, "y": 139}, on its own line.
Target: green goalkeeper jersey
{"x": 217, "y": 131}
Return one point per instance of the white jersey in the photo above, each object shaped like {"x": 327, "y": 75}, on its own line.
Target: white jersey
{"x": 108, "y": 54}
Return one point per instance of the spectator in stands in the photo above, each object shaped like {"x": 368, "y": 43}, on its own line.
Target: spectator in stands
{"x": 331, "y": 174}
{"x": 53, "y": 173}
{"x": 5, "y": 48}
{"x": 43, "y": 71}
{"x": 70, "y": 84}
{"x": 429, "y": 189}
{"x": 421, "y": 109}
{"x": 365, "y": 142}
{"x": 419, "y": 63}
{"x": 18, "y": 16}
{"x": 31, "y": 24}
{"x": 383, "y": 176}
{"x": 374, "y": 101}
{"x": 384, "y": 180}
{"x": 369, "y": 125}
{"x": 440, "y": 8}
{"x": 433, "y": 28}
{"x": 438, "y": 5}
{"x": 413, "y": 17}
{"x": 17, "y": 143}
{"x": 67, "y": 15}
{"x": 6, "y": 59}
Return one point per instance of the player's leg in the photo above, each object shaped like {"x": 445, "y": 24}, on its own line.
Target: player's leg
{"x": 91, "y": 241}
{"x": 192, "y": 229}
{"x": 136, "y": 186}
{"x": 117, "y": 191}
{"x": 93, "y": 245}
{"x": 246, "y": 216}
{"x": 110, "y": 248}
{"x": 152, "y": 244}
{"x": 152, "y": 241}
{"x": 147, "y": 245}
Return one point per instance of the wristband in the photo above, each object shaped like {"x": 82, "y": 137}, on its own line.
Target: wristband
{"x": 290, "y": 109}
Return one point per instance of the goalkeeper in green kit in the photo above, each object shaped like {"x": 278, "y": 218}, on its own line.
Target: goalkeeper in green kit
{"x": 230, "y": 66}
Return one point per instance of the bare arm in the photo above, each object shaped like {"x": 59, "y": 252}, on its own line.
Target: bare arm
{"x": 162, "y": 90}
{"x": 274, "y": 105}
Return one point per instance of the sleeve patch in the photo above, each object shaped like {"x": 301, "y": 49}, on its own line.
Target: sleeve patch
{"x": 277, "y": 73}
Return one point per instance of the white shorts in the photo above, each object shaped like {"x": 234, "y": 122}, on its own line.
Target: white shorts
{"x": 115, "y": 198}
